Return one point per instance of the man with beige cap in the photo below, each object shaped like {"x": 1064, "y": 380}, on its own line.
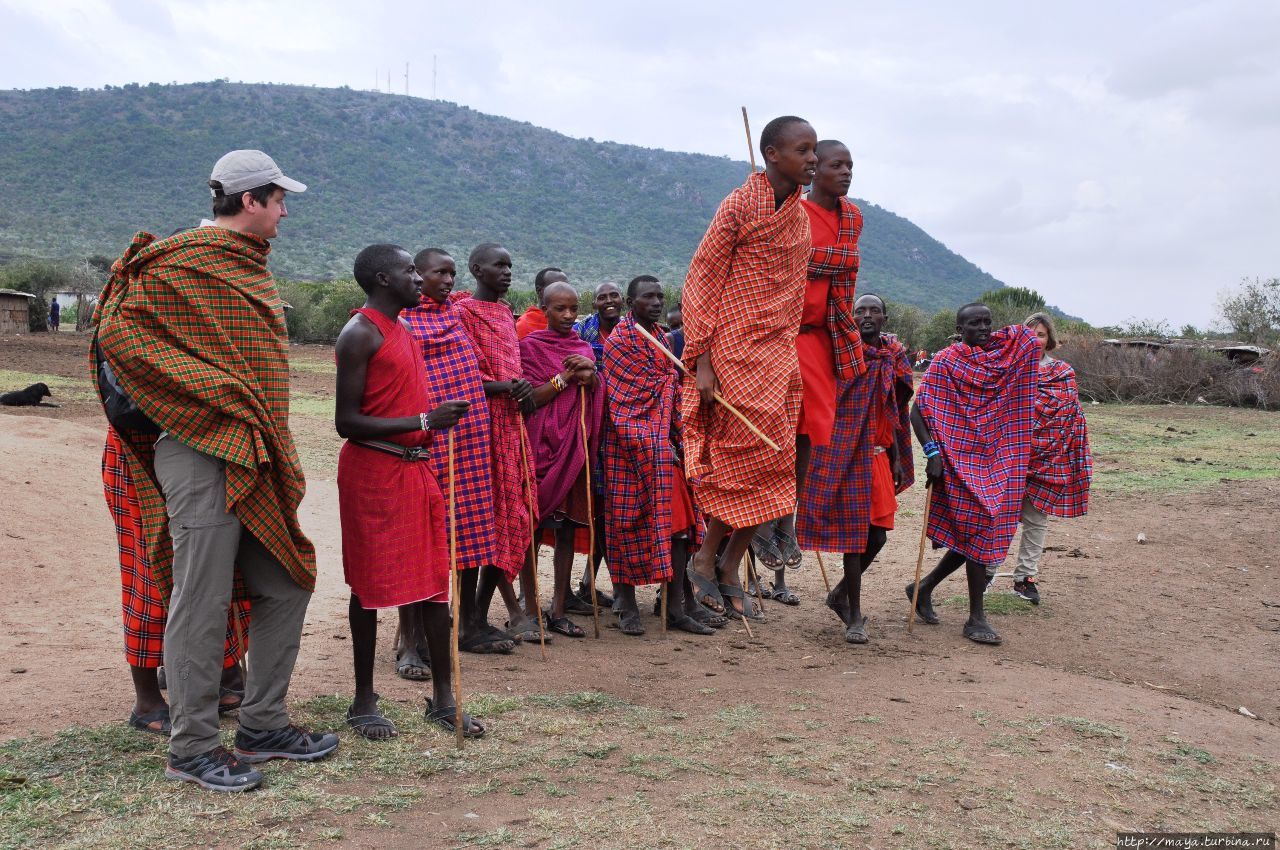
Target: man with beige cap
{"x": 193, "y": 328}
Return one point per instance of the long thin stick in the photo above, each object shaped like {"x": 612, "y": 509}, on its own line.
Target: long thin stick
{"x": 533, "y": 548}
{"x": 924, "y": 528}
{"x": 591, "y": 513}
{"x": 751, "y": 148}
{"x": 823, "y": 567}
{"x": 456, "y": 593}
{"x": 721, "y": 399}
{"x": 755, "y": 576}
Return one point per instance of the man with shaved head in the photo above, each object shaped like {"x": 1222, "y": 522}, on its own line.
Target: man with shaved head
{"x": 974, "y": 416}
{"x": 562, "y": 371}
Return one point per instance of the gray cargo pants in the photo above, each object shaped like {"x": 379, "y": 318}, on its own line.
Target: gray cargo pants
{"x": 208, "y": 543}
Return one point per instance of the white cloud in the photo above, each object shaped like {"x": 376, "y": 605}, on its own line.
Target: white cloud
{"x": 1117, "y": 157}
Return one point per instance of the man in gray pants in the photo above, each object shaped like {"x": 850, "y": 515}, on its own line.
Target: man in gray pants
{"x": 193, "y": 328}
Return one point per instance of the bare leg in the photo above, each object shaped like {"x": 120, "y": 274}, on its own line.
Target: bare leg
{"x": 704, "y": 562}
{"x": 411, "y": 662}
{"x": 491, "y": 578}
{"x": 473, "y": 626}
{"x": 977, "y": 628}
{"x": 435, "y": 619}
{"x": 731, "y": 566}
{"x": 531, "y": 601}
{"x": 786, "y": 526}
{"x": 950, "y": 562}
{"x": 146, "y": 693}
{"x": 509, "y": 599}
{"x": 364, "y": 712}
{"x": 562, "y": 567}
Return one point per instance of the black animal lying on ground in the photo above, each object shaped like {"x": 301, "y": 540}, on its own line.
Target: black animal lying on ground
{"x": 30, "y": 397}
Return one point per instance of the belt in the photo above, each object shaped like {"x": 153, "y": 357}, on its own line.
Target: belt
{"x": 402, "y": 452}
{"x": 804, "y": 328}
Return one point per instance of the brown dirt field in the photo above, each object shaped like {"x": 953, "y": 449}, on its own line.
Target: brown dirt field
{"x": 1079, "y": 725}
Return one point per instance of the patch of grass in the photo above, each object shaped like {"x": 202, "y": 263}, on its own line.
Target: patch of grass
{"x": 1086, "y": 728}
{"x": 1145, "y": 448}
{"x": 993, "y": 603}
{"x": 63, "y": 389}
{"x": 495, "y": 838}
{"x": 737, "y": 717}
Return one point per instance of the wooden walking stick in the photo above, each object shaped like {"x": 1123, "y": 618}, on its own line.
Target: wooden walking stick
{"x": 591, "y": 513}
{"x": 755, "y": 576}
{"x": 455, "y": 591}
{"x": 924, "y": 529}
{"x": 719, "y": 398}
{"x": 533, "y": 550}
{"x": 823, "y": 567}
{"x": 751, "y": 148}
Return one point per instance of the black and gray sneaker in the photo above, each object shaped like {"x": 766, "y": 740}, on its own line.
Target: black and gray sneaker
{"x": 290, "y": 743}
{"x": 1026, "y": 589}
{"x": 216, "y": 770}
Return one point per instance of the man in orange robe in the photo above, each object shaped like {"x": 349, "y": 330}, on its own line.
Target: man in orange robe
{"x": 742, "y": 303}
{"x": 534, "y": 319}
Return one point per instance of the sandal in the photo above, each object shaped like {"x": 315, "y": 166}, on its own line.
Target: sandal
{"x": 445, "y": 719}
{"x": 142, "y": 722}
{"x": 413, "y": 672}
{"x": 838, "y": 601}
{"x": 685, "y": 623}
{"x": 705, "y": 589}
{"x": 564, "y": 626}
{"x": 924, "y": 611}
{"x": 765, "y": 549}
{"x": 982, "y": 633}
{"x": 788, "y": 548}
{"x": 526, "y": 630}
{"x": 228, "y": 707}
{"x": 781, "y": 594}
{"x": 575, "y": 604}
{"x": 707, "y": 617}
{"x": 748, "y": 612}
{"x": 487, "y": 643}
{"x": 367, "y": 724}
{"x": 856, "y": 632}
{"x": 629, "y": 623}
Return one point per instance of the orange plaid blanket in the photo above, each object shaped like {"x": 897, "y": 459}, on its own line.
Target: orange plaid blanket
{"x": 194, "y": 328}
{"x": 742, "y": 303}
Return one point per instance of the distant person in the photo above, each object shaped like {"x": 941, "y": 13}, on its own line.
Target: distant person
{"x": 973, "y": 416}
{"x": 55, "y": 314}
{"x": 450, "y": 364}
{"x": 1061, "y": 466}
{"x": 594, "y": 330}
{"x": 143, "y": 611}
{"x": 533, "y": 319}
{"x": 194, "y": 329}
{"x": 829, "y": 345}
{"x": 394, "y": 546}
{"x": 488, "y": 325}
{"x": 742, "y": 304}
{"x": 675, "y": 330}
{"x": 562, "y": 371}
{"x": 849, "y": 503}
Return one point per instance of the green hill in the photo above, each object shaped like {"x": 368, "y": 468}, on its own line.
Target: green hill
{"x": 82, "y": 170}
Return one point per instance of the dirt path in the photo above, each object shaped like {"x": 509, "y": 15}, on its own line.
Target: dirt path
{"x": 1164, "y": 640}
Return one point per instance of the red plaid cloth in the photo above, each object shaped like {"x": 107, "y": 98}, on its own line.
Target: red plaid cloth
{"x": 194, "y": 328}
{"x": 1061, "y": 465}
{"x": 979, "y": 404}
{"x": 840, "y": 263}
{"x": 742, "y": 302}
{"x": 451, "y": 371}
{"x": 638, "y": 456}
{"x": 142, "y": 607}
{"x": 394, "y": 544}
{"x": 835, "y": 507}
{"x": 492, "y": 331}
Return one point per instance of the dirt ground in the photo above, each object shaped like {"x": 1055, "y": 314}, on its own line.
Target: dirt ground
{"x": 1090, "y": 719}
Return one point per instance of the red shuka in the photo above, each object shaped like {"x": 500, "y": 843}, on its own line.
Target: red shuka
{"x": 394, "y": 549}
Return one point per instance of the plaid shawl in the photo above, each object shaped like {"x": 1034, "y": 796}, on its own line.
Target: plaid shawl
{"x": 588, "y": 330}
{"x": 1061, "y": 466}
{"x": 194, "y": 328}
{"x": 492, "y": 332}
{"x": 555, "y": 429}
{"x": 449, "y": 361}
{"x": 840, "y": 263}
{"x": 638, "y": 456}
{"x": 835, "y": 506}
{"x": 742, "y": 302}
{"x": 979, "y": 404}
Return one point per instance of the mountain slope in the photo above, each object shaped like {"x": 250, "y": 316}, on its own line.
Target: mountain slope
{"x": 81, "y": 170}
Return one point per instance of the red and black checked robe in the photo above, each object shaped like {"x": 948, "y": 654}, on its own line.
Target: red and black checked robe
{"x": 742, "y": 302}
{"x": 639, "y": 459}
{"x": 1061, "y": 466}
{"x": 979, "y": 404}
{"x": 835, "y": 507}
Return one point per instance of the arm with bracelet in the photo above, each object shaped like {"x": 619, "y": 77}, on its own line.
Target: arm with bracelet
{"x": 932, "y": 449}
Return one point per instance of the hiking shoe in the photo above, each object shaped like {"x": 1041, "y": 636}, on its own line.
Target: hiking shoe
{"x": 288, "y": 743}
{"x": 216, "y": 770}
{"x": 1027, "y": 590}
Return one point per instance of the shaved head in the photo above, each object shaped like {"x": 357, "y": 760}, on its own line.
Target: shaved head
{"x": 558, "y": 287}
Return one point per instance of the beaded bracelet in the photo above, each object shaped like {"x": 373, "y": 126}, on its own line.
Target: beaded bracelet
{"x": 422, "y": 418}
{"x": 931, "y": 449}
{"x": 559, "y": 382}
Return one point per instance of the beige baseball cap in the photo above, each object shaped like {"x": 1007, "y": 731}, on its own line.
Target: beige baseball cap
{"x": 240, "y": 171}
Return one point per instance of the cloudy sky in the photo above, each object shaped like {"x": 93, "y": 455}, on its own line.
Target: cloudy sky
{"x": 1119, "y": 157}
